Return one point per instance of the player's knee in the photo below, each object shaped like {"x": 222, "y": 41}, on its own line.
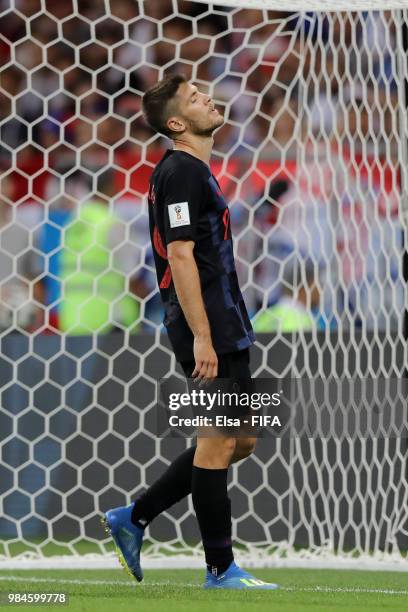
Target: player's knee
{"x": 244, "y": 447}
{"x": 215, "y": 451}
{"x": 226, "y": 446}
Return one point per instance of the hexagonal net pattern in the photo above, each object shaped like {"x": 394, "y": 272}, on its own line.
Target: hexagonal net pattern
{"x": 312, "y": 159}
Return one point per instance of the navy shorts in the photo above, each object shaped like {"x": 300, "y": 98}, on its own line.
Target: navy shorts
{"x": 234, "y": 377}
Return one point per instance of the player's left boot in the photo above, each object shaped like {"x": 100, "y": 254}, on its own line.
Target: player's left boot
{"x": 128, "y": 538}
{"x": 236, "y": 578}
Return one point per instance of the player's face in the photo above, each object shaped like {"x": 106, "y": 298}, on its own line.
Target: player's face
{"x": 197, "y": 110}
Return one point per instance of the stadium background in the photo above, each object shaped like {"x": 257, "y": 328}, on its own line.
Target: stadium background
{"x": 71, "y": 85}
{"x": 79, "y": 116}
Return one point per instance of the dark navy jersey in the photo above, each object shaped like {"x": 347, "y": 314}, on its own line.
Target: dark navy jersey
{"x": 186, "y": 203}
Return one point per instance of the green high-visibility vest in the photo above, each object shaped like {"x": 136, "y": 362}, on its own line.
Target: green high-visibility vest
{"x": 284, "y": 318}
{"x": 93, "y": 293}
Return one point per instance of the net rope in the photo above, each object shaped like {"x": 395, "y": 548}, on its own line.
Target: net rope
{"x": 316, "y": 5}
{"x": 311, "y": 159}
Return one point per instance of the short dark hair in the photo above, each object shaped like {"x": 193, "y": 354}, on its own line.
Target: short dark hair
{"x": 155, "y": 103}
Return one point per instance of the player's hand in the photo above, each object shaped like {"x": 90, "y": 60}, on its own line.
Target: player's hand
{"x": 206, "y": 360}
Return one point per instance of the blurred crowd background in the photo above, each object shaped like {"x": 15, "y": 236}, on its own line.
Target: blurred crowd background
{"x": 307, "y": 159}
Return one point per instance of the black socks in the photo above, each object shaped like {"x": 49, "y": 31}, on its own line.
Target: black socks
{"x": 166, "y": 491}
{"x": 213, "y": 510}
{"x": 211, "y": 503}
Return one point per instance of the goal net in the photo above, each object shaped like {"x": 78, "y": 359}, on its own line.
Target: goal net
{"x": 313, "y": 162}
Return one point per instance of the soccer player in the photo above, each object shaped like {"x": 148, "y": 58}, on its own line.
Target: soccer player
{"x": 206, "y": 320}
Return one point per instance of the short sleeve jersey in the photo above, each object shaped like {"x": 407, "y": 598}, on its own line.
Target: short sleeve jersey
{"x": 186, "y": 203}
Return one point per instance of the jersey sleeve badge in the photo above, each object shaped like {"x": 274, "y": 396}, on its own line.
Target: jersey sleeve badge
{"x": 179, "y": 214}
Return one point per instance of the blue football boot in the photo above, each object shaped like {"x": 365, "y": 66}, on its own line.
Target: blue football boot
{"x": 128, "y": 538}
{"x": 236, "y": 578}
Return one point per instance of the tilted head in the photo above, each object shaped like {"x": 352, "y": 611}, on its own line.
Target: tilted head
{"x": 174, "y": 107}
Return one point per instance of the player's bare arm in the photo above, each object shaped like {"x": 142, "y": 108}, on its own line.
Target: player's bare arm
{"x": 187, "y": 284}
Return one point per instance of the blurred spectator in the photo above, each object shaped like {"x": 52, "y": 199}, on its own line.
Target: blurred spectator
{"x": 324, "y": 102}
{"x": 21, "y": 295}
{"x": 61, "y": 209}
{"x": 258, "y": 57}
{"x": 300, "y": 299}
{"x": 71, "y": 87}
{"x": 88, "y": 286}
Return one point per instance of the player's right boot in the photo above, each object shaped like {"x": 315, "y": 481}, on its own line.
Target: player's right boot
{"x": 236, "y": 578}
{"x": 128, "y": 538}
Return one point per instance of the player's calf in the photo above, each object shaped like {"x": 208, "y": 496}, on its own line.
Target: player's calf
{"x": 214, "y": 451}
{"x": 243, "y": 448}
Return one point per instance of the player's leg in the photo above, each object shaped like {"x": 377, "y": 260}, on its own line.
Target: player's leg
{"x": 210, "y": 499}
{"x": 209, "y": 486}
{"x": 216, "y": 450}
{"x": 213, "y": 510}
{"x": 176, "y": 482}
{"x": 243, "y": 448}
{"x": 126, "y": 524}
{"x": 171, "y": 487}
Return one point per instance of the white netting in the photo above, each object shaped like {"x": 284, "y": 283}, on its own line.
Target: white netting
{"x": 316, "y": 5}
{"x": 311, "y": 158}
